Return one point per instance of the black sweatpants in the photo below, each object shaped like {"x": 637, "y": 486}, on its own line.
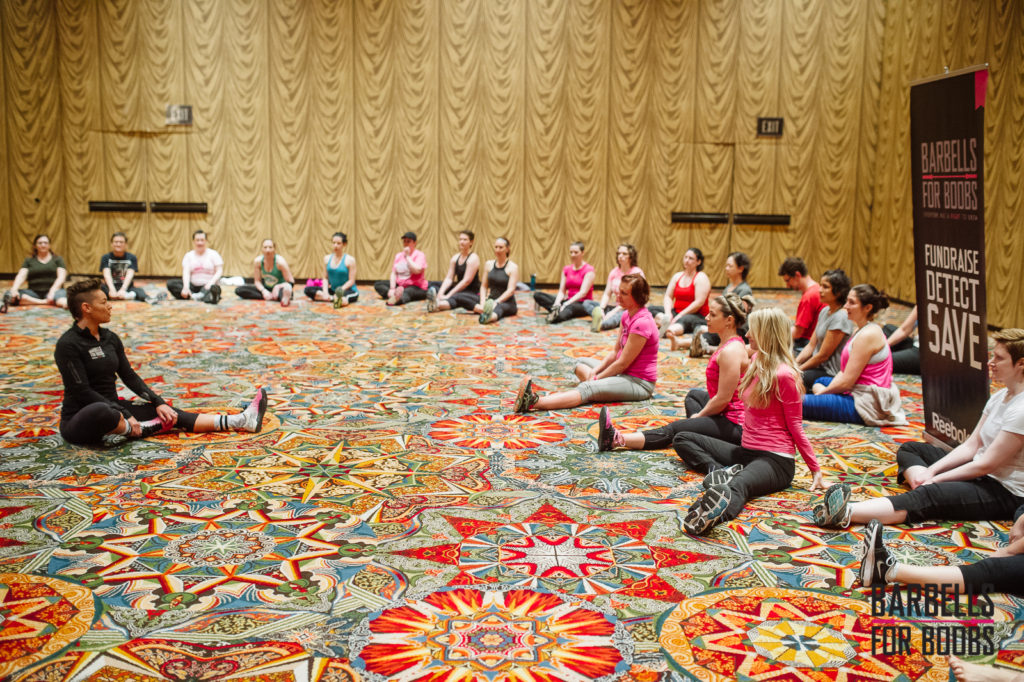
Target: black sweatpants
{"x": 715, "y": 426}
{"x": 175, "y": 286}
{"x": 408, "y": 296}
{"x": 763, "y": 472}
{"x": 980, "y": 499}
{"x": 92, "y": 422}
{"x": 566, "y": 312}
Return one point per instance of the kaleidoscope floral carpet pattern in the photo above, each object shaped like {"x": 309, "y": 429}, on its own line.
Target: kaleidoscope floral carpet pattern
{"x": 395, "y": 520}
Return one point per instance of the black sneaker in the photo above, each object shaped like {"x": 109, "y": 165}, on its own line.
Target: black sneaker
{"x": 7, "y": 302}
{"x": 154, "y": 429}
{"x": 877, "y": 561}
{"x": 707, "y": 511}
{"x": 721, "y": 475}
{"x": 525, "y": 397}
{"x": 834, "y": 510}
{"x": 213, "y": 297}
{"x": 605, "y": 432}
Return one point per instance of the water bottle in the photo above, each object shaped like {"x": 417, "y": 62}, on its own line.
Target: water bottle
{"x": 533, "y": 282}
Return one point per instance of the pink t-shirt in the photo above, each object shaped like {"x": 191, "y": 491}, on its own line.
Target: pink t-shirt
{"x": 645, "y": 364}
{"x": 404, "y": 276}
{"x": 201, "y": 268}
{"x": 779, "y": 426}
{"x": 574, "y": 281}
{"x": 734, "y": 410}
{"x": 615, "y": 277}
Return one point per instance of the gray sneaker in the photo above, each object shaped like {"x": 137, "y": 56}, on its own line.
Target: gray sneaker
{"x": 431, "y": 300}
{"x": 707, "y": 511}
{"x": 834, "y": 510}
{"x": 721, "y": 476}
{"x": 525, "y": 397}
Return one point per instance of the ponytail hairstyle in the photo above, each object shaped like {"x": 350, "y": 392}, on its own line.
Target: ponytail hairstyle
{"x": 867, "y": 294}
{"x": 736, "y": 307}
{"x": 770, "y": 328}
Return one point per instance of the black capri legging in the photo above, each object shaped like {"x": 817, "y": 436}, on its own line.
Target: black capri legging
{"x": 464, "y": 300}
{"x": 568, "y": 311}
{"x": 92, "y": 422}
{"x": 716, "y": 426}
{"x": 506, "y": 308}
{"x": 1002, "y": 574}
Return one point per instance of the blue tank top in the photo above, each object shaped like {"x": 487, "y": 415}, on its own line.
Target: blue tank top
{"x": 336, "y": 277}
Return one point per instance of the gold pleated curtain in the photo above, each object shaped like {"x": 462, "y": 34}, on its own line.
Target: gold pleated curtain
{"x": 544, "y": 121}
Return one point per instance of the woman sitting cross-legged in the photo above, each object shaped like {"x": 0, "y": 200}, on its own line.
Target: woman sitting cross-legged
{"x": 339, "y": 279}
{"x": 822, "y": 356}
{"x": 629, "y": 372}
{"x": 717, "y": 411}
{"x": 575, "y": 296}
{"x": 606, "y": 314}
{"x": 982, "y": 479}
{"x": 773, "y": 432}
{"x": 498, "y": 290}
{"x": 90, "y": 358}
{"x": 863, "y": 392}
{"x": 272, "y": 278}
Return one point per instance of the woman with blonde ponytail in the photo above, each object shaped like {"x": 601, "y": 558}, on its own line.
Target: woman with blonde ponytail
{"x": 773, "y": 432}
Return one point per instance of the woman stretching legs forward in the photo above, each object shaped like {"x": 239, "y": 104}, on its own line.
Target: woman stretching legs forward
{"x": 717, "y": 411}
{"x": 498, "y": 290}
{"x": 772, "y": 432}
{"x": 629, "y": 372}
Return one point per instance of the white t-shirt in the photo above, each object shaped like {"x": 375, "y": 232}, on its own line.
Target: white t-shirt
{"x": 1005, "y": 416}
{"x": 201, "y": 268}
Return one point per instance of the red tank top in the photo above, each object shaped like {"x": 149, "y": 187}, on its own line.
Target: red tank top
{"x": 684, "y": 296}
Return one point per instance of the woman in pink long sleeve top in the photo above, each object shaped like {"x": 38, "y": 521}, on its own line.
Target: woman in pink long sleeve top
{"x": 773, "y": 432}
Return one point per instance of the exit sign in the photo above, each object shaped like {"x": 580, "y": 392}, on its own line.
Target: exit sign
{"x": 769, "y": 127}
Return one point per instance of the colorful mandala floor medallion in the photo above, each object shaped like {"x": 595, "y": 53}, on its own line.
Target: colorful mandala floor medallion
{"x": 39, "y": 616}
{"x": 775, "y": 633}
{"x": 496, "y": 635}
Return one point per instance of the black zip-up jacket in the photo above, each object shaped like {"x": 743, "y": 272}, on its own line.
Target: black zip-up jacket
{"x": 90, "y": 367}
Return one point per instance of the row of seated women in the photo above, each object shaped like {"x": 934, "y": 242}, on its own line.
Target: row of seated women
{"x": 743, "y": 431}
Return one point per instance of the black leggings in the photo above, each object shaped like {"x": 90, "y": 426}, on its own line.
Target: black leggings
{"x": 409, "y": 295}
{"x": 251, "y": 293}
{"x": 980, "y": 499}
{"x": 140, "y": 294}
{"x": 811, "y": 375}
{"x": 763, "y": 472}
{"x": 506, "y": 308}
{"x": 906, "y": 357}
{"x": 463, "y": 299}
{"x": 566, "y": 312}
{"x": 716, "y": 426}
{"x": 689, "y": 322}
{"x": 92, "y": 422}
{"x": 1002, "y": 574}
{"x": 176, "y": 286}
{"x": 351, "y": 295}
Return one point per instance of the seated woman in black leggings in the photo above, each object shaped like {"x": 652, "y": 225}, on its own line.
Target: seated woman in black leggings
{"x": 90, "y": 358}
{"x": 498, "y": 290}
{"x": 575, "y": 296}
{"x": 980, "y": 480}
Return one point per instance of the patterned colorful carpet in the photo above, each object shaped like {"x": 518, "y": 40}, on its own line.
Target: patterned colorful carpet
{"x": 394, "y": 519}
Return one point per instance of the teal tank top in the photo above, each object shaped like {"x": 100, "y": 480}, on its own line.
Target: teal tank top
{"x": 339, "y": 275}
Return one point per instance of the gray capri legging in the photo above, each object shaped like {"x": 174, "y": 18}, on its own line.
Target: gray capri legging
{"x": 621, "y": 388}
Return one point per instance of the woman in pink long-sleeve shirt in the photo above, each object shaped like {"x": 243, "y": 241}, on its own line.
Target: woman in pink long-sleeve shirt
{"x": 773, "y": 432}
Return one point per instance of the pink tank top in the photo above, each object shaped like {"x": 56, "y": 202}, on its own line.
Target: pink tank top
{"x": 734, "y": 410}
{"x": 878, "y": 371}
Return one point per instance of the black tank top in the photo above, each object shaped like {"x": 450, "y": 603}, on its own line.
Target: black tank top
{"x": 460, "y": 272}
{"x": 497, "y": 280}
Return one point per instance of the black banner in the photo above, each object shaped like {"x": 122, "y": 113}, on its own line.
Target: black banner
{"x": 947, "y": 134}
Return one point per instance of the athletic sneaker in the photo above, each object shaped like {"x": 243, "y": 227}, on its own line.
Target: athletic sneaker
{"x": 834, "y": 510}
{"x": 525, "y": 397}
{"x": 254, "y": 413}
{"x": 339, "y": 299}
{"x": 877, "y": 563}
{"x": 431, "y": 300}
{"x": 707, "y": 511}
{"x": 596, "y": 318}
{"x": 721, "y": 475}
{"x": 153, "y": 427}
{"x": 160, "y": 296}
{"x": 286, "y": 297}
{"x": 605, "y": 432}
{"x": 485, "y": 316}
{"x": 553, "y": 314}
{"x": 6, "y": 303}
